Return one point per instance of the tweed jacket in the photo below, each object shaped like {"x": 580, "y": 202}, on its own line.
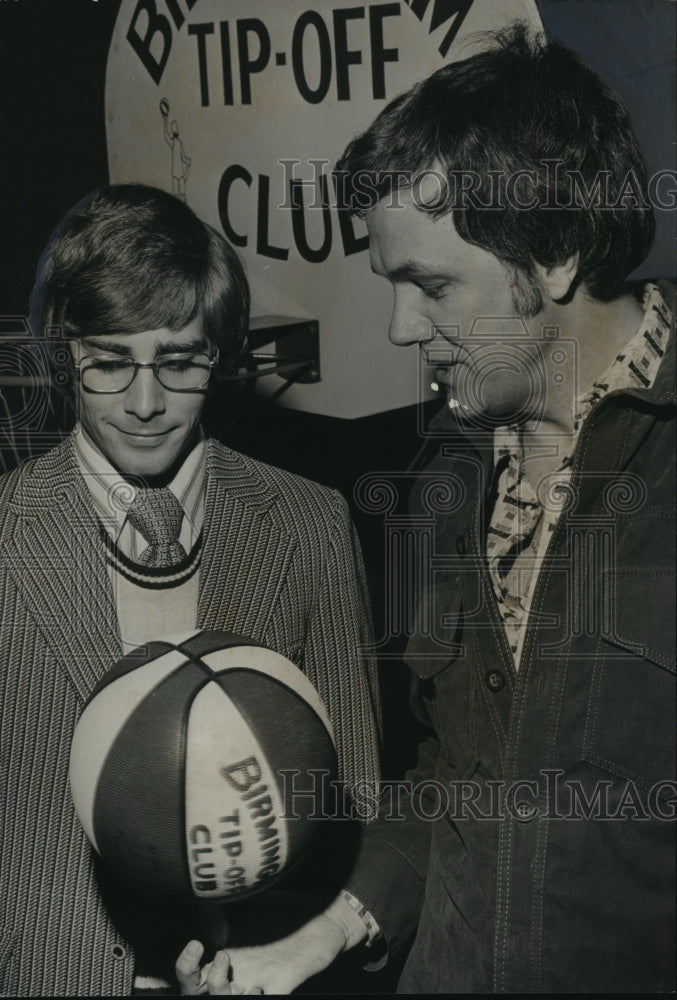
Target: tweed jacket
{"x": 536, "y": 852}
{"x": 279, "y": 564}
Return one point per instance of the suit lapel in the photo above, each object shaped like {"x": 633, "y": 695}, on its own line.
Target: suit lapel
{"x": 57, "y": 560}
{"x": 58, "y": 563}
{"x": 246, "y": 550}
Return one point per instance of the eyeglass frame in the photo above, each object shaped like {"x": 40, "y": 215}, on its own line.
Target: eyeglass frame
{"x": 135, "y": 365}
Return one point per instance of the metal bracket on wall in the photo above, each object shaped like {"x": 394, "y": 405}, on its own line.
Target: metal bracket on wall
{"x": 295, "y": 354}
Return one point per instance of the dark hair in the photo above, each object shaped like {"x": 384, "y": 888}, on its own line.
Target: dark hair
{"x": 517, "y": 106}
{"x": 130, "y": 257}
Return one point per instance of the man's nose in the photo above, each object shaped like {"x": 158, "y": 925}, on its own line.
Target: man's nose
{"x": 145, "y": 396}
{"x": 407, "y": 326}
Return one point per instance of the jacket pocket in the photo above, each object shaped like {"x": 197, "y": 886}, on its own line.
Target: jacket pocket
{"x": 9, "y": 966}
{"x": 443, "y": 698}
{"x": 630, "y": 719}
{"x": 458, "y": 846}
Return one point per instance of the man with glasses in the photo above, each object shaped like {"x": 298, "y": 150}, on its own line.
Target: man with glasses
{"x": 138, "y": 526}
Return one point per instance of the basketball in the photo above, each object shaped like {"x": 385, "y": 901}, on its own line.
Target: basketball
{"x": 182, "y": 761}
{"x": 164, "y": 107}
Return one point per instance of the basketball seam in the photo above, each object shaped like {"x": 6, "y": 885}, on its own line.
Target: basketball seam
{"x": 135, "y": 662}
{"x": 181, "y": 750}
{"x": 182, "y": 777}
{"x": 287, "y": 687}
{"x": 222, "y": 640}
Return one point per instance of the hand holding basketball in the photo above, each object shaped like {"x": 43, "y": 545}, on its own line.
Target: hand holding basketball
{"x": 212, "y": 979}
{"x": 277, "y": 968}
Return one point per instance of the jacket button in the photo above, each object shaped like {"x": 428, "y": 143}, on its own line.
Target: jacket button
{"x": 495, "y": 680}
{"x": 117, "y": 951}
{"x": 461, "y": 546}
{"x": 524, "y": 812}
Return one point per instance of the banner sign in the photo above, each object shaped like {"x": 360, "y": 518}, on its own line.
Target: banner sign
{"x": 242, "y": 108}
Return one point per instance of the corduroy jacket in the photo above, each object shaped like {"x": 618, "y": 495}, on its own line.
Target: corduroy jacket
{"x": 536, "y": 851}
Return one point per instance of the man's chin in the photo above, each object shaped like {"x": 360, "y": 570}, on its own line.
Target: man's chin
{"x": 149, "y": 465}
{"x": 485, "y": 419}
{"x": 154, "y": 463}
{"x": 497, "y": 412}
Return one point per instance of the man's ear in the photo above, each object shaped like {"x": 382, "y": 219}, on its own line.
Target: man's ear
{"x": 557, "y": 281}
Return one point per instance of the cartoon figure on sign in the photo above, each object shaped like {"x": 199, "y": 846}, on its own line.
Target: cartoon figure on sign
{"x": 180, "y": 162}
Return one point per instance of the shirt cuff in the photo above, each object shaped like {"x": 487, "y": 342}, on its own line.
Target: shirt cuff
{"x": 375, "y": 938}
{"x": 371, "y": 925}
{"x": 149, "y": 985}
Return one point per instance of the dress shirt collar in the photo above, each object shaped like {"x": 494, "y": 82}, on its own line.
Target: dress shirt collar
{"x": 112, "y": 494}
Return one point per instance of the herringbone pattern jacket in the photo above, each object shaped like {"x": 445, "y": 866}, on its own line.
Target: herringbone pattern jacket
{"x": 280, "y": 564}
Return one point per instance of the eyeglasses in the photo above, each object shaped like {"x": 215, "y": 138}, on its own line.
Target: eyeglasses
{"x": 176, "y": 372}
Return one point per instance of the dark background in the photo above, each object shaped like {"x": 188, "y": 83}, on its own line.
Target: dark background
{"x": 53, "y": 151}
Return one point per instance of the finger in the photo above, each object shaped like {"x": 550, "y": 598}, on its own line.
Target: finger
{"x": 217, "y": 980}
{"x": 188, "y": 968}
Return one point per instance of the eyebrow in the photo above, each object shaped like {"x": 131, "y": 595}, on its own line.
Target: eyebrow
{"x": 196, "y": 346}
{"x": 410, "y": 270}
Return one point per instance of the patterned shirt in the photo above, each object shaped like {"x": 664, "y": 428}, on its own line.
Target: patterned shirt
{"x": 523, "y": 520}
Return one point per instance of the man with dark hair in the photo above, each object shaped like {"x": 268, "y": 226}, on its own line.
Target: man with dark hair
{"x": 135, "y": 527}
{"x": 532, "y": 848}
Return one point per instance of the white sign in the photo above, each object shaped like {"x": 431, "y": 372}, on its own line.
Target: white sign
{"x": 242, "y": 108}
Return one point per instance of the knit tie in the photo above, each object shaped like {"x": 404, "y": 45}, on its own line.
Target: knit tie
{"x": 157, "y": 515}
